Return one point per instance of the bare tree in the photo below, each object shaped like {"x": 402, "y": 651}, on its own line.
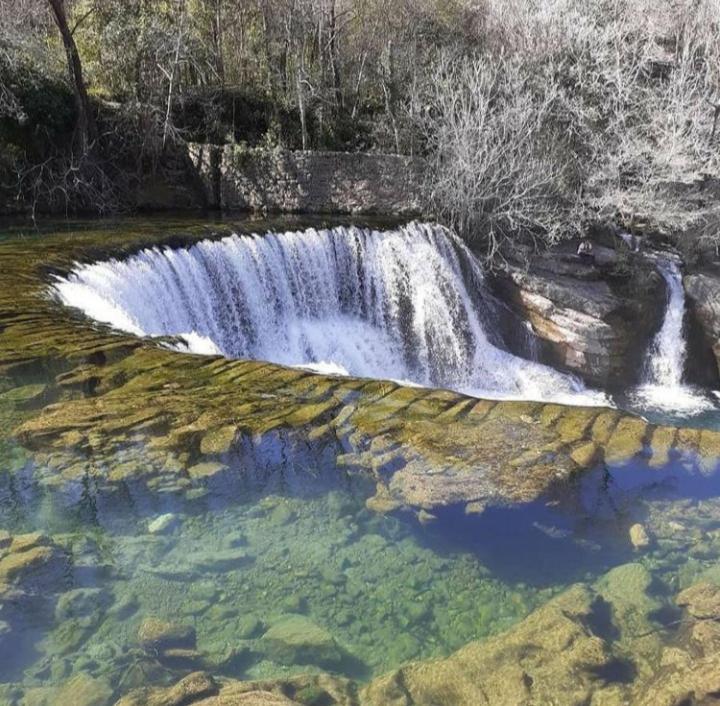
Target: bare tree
{"x": 498, "y": 167}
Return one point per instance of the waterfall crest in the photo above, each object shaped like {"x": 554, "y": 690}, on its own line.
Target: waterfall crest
{"x": 407, "y": 304}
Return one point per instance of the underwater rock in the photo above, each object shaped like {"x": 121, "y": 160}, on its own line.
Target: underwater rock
{"x": 193, "y": 689}
{"x": 206, "y": 469}
{"x": 156, "y": 634}
{"x": 549, "y": 653}
{"x": 31, "y": 565}
{"x": 626, "y": 589}
{"x": 282, "y": 514}
{"x": 80, "y": 690}
{"x": 25, "y": 394}
{"x": 689, "y": 670}
{"x": 163, "y": 523}
{"x": 702, "y": 601}
{"x": 639, "y": 537}
{"x": 569, "y": 652}
{"x": 202, "y": 689}
{"x": 218, "y": 441}
{"x": 85, "y": 605}
{"x": 219, "y": 560}
{"x": 295, "y": 639}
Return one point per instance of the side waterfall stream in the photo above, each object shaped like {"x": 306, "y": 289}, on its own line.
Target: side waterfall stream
{"x": 662, "y": 385}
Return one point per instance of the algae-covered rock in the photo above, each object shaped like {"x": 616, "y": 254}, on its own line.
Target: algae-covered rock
{"x": 83, "y": 604}
{"x": 163, "y": 523}
{"x": 296, "y": 639}
{"x": 202, "y": 689}
{"x": 627, "y": 589}
{"x": 24, "y": 394}
{"x": 32, "y": 561}
{"x": 702, "y": 601}
{"x": 80, "y": 690}
{"x": 157, "y": 634}
{"x": 550, "y": 653}
{"x": 193, "y": 689}
{"x": 206, "y": 469}
{"x": 218, "y": 441}
{"x": 639, "y": 537}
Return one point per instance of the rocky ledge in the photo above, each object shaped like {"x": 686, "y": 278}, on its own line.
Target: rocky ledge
{"x": 593, "y": 319}
{"x": 703, "y": 295}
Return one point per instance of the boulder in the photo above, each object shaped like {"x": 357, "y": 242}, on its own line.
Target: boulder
{"x": 160, "y": 635}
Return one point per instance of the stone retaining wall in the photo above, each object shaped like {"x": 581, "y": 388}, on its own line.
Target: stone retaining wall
{"x": 309, "y": 182}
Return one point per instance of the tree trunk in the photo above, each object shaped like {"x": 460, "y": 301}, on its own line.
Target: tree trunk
{"x": 217, "y": 32}
{"x": 301, "y": 107}
{"x": 86, "y": 126}
{"x": 335, "y": 61}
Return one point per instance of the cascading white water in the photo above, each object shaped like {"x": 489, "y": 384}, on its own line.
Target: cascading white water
{"x": 662, "y": 387}
{"x": 666, "y": 362}
{"x": 405, "y": 304}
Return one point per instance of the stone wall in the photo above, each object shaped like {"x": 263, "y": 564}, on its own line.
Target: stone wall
{"x": 309, "y": 182}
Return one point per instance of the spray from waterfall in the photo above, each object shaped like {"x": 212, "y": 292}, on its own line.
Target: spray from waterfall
{"x": 408, "y": 304}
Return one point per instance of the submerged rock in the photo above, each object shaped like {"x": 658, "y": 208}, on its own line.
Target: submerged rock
{"x": 24, "y": 394}
{"x": 702, "y": 601}
{"x": 202, "y": 689}
{"x": 80, "y": 690}
{"x": 163, "y": 523}
{"x": 551, "y": 652}
{"x": 639, "y": 537}
{"x": 156, "y": 634}
{"x": 296, "y": 639}
{"x": 30, "y": 558}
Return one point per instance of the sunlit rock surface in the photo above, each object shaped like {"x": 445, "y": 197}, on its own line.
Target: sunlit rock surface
{"x": 587, "y": 319}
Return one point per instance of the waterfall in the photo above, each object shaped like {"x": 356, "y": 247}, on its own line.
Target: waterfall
{"x": 662, "y": 386}
{"x": 666, "y": 360}
{"x": 408, "y": 304}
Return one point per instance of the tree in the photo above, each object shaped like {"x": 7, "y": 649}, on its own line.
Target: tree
{"x": 87, "y": 132}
